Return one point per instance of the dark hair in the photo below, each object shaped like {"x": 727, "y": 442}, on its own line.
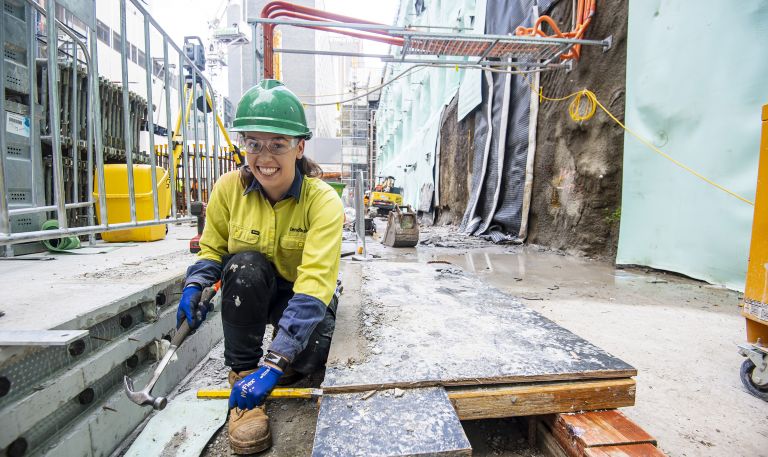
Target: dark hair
{"x": 307, "y": 167}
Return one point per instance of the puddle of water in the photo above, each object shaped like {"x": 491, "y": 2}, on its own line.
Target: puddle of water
{"x": 534, "y": 275}
{"x": 537, "y": 276}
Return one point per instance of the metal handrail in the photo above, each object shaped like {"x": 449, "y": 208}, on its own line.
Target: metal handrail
{"x": 205, "y": 173}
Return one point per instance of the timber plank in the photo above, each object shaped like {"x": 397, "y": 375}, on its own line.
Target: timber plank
{"x": 546, "y": 442}
{"x": 417, "y": 325}
{"x": 536, "y": 399}
{"x": 626, "y": 450}
{"x": 578, "y": 432}
{"x": 416, "y": 422}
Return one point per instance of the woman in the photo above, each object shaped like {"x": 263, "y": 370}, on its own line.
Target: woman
{"x": 273, "y": 237}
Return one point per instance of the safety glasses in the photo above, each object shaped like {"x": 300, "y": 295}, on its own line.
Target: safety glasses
{"x": 275, "y": 146}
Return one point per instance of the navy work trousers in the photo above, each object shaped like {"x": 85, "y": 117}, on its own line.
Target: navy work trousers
{"x": 253, "y": 294}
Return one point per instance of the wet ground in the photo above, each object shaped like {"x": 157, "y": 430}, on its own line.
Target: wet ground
{"x": 680, "y": 334}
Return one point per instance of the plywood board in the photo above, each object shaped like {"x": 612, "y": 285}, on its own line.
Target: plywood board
{"x": 416, "y": 325}
{"x": 413, "y": 422}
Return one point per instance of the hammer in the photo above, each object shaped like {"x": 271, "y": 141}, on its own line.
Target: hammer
{"x": 144, "y": 397}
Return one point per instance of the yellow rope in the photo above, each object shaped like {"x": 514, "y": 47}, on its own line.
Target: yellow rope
{"x": 580, "y": 114}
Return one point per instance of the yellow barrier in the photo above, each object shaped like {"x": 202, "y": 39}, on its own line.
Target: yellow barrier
{"x": 119, "y": 206}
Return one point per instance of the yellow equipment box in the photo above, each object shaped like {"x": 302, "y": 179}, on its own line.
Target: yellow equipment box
{"x": 119, "y": 205}
{"x": 756, "y": 290}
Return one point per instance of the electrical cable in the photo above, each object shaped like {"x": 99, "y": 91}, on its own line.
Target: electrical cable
{"x": 575, "y": 109}
{"x": 419, "y": 67}
{"x": 579, "y": 114}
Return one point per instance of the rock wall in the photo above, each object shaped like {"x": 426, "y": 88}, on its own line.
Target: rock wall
{"x": 576, "y": 203}
{"x": 456, "y": 152}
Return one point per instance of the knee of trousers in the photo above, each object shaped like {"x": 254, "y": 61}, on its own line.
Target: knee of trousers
{"x": 248, "y": 270}
{"x": 248, "y": 284}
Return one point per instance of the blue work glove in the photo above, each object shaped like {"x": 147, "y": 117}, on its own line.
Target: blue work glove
{"x": 252, "y": 390}
{"x": 189, "y": 307}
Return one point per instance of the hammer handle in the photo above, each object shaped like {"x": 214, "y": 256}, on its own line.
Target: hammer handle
{"x": 181, "y": 334}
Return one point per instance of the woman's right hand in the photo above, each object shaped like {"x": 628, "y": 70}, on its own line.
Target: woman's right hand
{"x": 189, "y": 307}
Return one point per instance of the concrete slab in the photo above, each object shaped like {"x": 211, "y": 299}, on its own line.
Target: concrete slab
{"x": 76, "y": 291}
{"x": 433, "y": 324}
{"x": 413, "y": 422}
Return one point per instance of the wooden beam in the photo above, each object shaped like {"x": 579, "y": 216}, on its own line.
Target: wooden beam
{"x": 602, "y": 434}
{"x": 546, "y": 442}
{"x": 541, "y": 398}
{"x": 627, "y": 450}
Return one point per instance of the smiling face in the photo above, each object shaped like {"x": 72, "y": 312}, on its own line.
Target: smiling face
{"x": 274, "y": 165}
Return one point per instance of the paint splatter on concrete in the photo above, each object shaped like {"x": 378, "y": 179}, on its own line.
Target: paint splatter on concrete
{"x": 172, "y": 447}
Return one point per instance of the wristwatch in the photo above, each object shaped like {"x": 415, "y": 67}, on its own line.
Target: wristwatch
{"x": 277, "y": 360}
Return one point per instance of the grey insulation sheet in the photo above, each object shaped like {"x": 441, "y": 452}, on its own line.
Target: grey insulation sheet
{"x": 501, "y": 133}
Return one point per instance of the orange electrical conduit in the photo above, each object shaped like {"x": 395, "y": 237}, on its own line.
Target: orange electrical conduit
{"x": 584, "y": 12}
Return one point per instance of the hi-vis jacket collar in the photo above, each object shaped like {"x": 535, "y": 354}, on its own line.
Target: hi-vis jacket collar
{"x": 294, "y": 191}
{"x": 301, "y": 237}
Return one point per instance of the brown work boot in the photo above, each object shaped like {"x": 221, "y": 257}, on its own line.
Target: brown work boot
{"x": 289, "y": 377}
{"x": 248, "y": 429}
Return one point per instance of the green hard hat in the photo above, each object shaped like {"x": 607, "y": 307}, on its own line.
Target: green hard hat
{"x": 271, "y": 107}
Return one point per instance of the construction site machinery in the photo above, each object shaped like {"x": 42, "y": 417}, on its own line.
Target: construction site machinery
{"x": 385, "y": 196}
{"x": 402, "y": 228}
{"x": 754, "y": 369}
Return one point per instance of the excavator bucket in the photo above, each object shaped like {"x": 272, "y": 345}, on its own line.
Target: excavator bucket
{"x": 402, "y": 228}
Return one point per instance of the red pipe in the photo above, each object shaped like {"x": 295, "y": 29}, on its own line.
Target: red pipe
{"x": 269, "y": 7}
{"x": 310, "y": 17}
{"x": 284, "y": 9}
{"x": 365, "y": 34}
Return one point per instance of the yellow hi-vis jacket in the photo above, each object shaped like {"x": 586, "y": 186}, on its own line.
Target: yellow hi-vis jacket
{"x": 301, "y": 237}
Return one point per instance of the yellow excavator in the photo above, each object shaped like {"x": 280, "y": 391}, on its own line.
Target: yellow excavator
{"x": 402, "y": 225}
{"x": 385, "y": 196}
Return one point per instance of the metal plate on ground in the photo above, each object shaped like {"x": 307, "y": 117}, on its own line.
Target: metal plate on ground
{"x": 181, "y": 429}
{"x": 418, "y": 325}
{"x": 394, "y": 422}
{"x": 40, "y": 337}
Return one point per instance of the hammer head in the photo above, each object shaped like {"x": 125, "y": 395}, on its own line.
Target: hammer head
{"x": 143, "y": 397}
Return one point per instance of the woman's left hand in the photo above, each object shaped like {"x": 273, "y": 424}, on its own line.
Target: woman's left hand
{"x": 251, "y": 391}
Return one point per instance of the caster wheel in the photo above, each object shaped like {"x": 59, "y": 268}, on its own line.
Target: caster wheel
{"x": 746, "y": 378}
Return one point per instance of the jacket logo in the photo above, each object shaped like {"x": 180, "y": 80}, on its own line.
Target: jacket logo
{"x": 298, "y": 229}
{"x": 255, "y": 232}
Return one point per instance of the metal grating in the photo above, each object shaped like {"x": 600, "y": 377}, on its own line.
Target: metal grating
{"x": 470, "y": 48}
{"x": 18, "y": 196}
{"x": 49, "y": 430}
{"x": 41, "y": 366}
{"x": 489, "y": 48}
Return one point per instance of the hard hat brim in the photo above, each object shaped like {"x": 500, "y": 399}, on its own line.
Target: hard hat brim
{"x": 272, "y": 129}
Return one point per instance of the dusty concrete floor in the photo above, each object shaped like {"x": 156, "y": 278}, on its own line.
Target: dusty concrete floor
{"x": 680, "y": 334}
